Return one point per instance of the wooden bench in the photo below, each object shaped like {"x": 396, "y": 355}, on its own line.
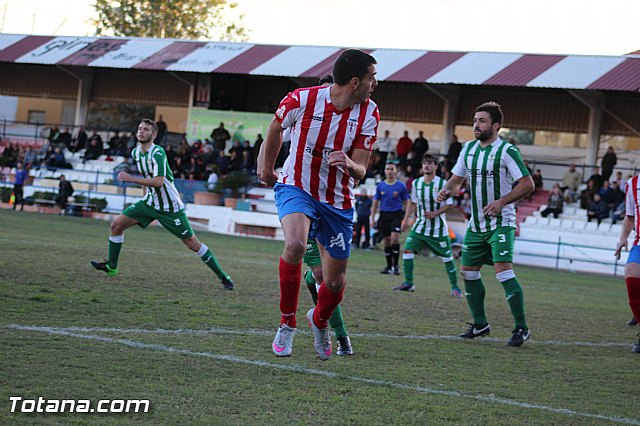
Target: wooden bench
{"x": 49, "y": 206}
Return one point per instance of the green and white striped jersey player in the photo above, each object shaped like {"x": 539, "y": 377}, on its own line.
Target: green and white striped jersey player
{"x": 491, "y": 166}
{"x": 430, "y": 228}
{"x": 151, "y": 163}
{"x": 161, "y": 202}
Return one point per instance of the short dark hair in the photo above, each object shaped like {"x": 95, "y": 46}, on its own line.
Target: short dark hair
{"x": 351, "y": 63}
{"x": 429, "y": 157}
{"x": 150, "y": 122}
{"x": 494, "y": 110}
{"x": 326, "y": 79}
{"x": 392, "y": 162}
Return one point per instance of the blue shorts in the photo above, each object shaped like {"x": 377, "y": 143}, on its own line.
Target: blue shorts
{"x": 332, "y": 227}
{"x": 634, "y": 255}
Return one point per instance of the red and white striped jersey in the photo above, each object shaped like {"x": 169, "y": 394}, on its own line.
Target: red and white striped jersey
{"x": 317, "y": 129}
{"x": 632, "y": 206}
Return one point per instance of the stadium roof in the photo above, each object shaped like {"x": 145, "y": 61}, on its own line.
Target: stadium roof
{"x": 617, "y": 73}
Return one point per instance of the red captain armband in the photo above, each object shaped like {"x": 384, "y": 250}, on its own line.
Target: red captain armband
{"x": 364, "y": 142}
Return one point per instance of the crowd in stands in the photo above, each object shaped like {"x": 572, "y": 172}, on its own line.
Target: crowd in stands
{"x": 209, "y": 159}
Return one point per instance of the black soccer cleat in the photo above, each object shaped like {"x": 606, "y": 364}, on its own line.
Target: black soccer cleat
{"x": 475, "y": 331}
{"x": 227, "y": 283}
{"x": 104, "y": 266}
{"x": 518, "y": 337}
{"x": 396, "y": 270}
{"x": 387, "y": 271}
{"x": 633, "y": 321}
{"x": 344, "y": 346}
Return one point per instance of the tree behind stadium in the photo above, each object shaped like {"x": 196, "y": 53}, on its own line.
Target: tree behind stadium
{"x": 181, "y": 19}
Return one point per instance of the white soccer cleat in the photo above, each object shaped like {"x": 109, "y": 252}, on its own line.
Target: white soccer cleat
{"x": 283, "y": 342}
{"x": 321, "y": 338}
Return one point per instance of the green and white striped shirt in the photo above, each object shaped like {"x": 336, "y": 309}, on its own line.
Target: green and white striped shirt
{"x": 491, "y": 172}
{"x": 424, "y": 195}
{"x": 151, "y": 164}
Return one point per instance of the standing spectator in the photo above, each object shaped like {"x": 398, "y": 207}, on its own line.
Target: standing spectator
{"x": 404, "y": 148}
{"x": 454, "y": 150}
{"x": 65, "y": 190}
{"x": 554, "y": 203}
{"x": 18, "y": 185}
{"x": 220, "y": 136}
{"x": 570, "y": 182}
{"x": 384, "y": 147}
{"x": 609, "y": 161}
{"x": 363, "y": 211}
{"x": 162, "y": 131}
{"x": 391, "y": 196}
{"x": 420, "y": 147}
{"x": 598, "y": 209}
{"x": 256, "y": 147}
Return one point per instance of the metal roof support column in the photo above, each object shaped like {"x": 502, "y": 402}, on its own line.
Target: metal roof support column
{"x": 450, "y": 94}
{"x": 85, "y": 87}
{"x": 595, "y": 101}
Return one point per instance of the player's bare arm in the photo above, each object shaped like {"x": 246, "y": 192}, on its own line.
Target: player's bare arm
{"x": 155, "y": 182}
{"x": 627, "y": 227}
{"x": 452, "y": 187}
{"x": 269, "y": 152}
{"x": 438, "y": 212}
{"x": 408, "y": 215}
{"x": 524, "y": 187}
{"x": 356, "y": 165}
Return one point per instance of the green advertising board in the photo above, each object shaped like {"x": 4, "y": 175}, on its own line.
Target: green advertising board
{"x": 241, "y": 125}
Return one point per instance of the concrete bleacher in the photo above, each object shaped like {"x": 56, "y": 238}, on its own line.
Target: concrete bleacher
{"x": 570, "y": 242}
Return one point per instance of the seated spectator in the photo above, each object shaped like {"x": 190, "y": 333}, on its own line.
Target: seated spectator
{"x": 615, "y": 200}
{"x": 94, "y": 150}
{"x": 554, "y": 203}
{"x": 586, "y": 196}
{"x": 79, "y": 142}
{"x": 56, "y": 160}
{"x": 30, "y": 158}
{"x": 596, "y": 177}
{"x": 64, "y": 140}
{"x": 212, "y": 180}
{"x": 65, "y": 191}
{"x": 537, "y": 180}
{"x": 246, "y": 163}
{"x": 598, "y": 209}
{"x": 570, "y": 182}
{"x": 54, "y": 135}
{"x": 605, "y": 190}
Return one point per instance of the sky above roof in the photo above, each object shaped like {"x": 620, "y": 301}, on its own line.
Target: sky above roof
{"x": 578, "y": 27}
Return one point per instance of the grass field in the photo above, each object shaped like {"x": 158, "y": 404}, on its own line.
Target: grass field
{"x": 166, "y": 330}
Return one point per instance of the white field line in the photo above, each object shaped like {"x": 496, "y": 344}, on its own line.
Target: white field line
{"x": 310, "y": 371}
{"x": 223, "y": 330}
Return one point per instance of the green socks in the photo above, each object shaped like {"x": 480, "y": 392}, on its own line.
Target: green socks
{"x": 115, "y": 245}
{"x": 407, "y": 264}
{"x": 475, "y": 299}
{"x": 450, "y": 267}
{"x": 211, "y": 261}
{"x": 515, "y": 299}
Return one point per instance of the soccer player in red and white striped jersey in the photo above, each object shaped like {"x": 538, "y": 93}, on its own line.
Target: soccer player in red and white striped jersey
{"x": 632, "y": 270}
{"x": 332, "y": 134}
